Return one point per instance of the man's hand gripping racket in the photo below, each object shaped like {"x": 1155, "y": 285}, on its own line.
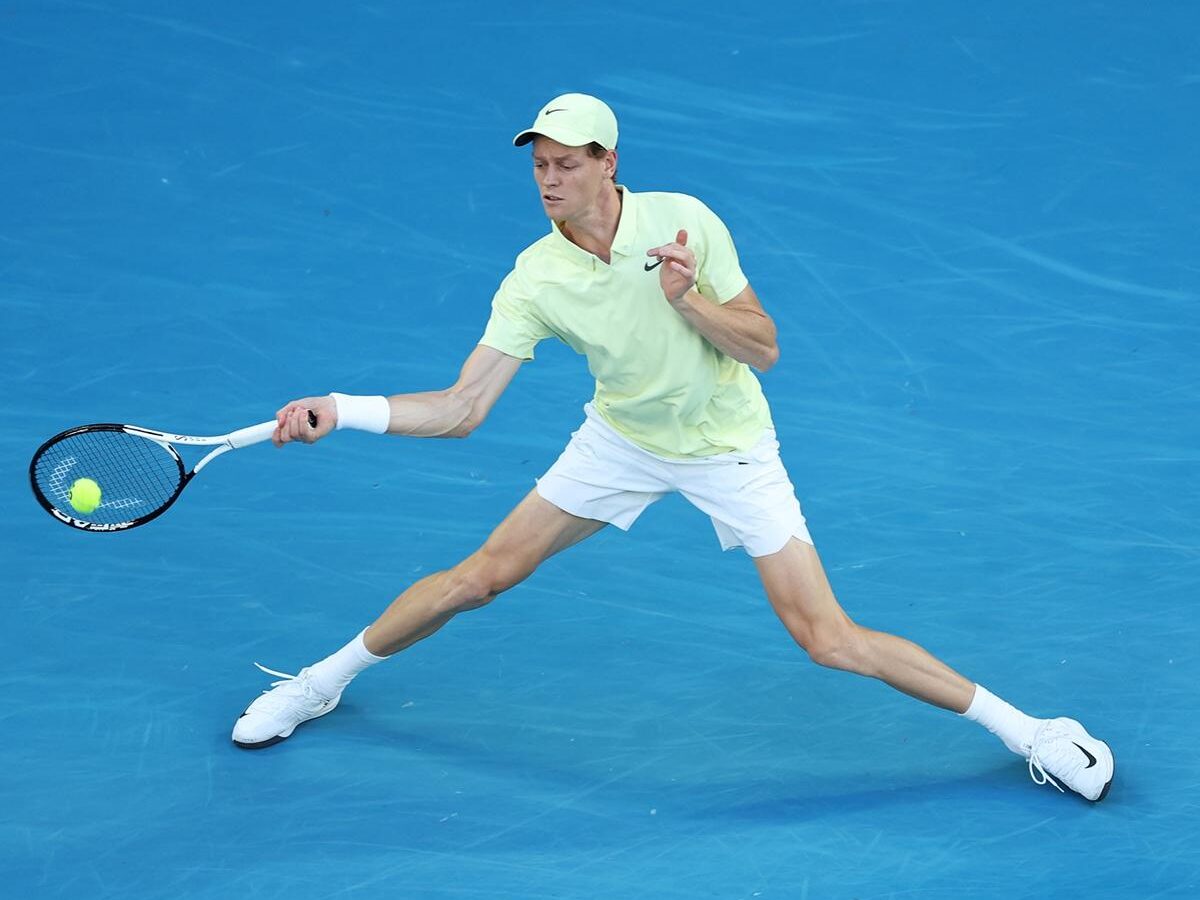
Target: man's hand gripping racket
{"x": 111, "y": 477}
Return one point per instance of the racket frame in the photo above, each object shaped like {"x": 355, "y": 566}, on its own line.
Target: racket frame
{"x": 235, "y": 440}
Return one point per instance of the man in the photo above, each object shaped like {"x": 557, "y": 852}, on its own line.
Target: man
{"x": 670, "y": 329}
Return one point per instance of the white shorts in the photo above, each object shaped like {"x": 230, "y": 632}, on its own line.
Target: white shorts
{"x": 752, "y": 504}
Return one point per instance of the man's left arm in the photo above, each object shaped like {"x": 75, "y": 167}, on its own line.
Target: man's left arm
{"x": 739, "y": 328}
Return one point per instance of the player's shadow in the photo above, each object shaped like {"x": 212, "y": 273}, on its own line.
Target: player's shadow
{"x": 790, "y": 797}
{"x": 809, "y": 797}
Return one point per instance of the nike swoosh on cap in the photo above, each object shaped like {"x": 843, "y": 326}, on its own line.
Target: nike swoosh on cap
{"x": 559, "y": 109}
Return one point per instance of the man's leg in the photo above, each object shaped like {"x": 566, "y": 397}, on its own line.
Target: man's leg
{"x": 534, "y": 531}
{"x": 799, "y": 591}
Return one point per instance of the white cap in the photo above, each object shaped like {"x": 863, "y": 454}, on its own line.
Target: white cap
{"x": 574, "y": 120}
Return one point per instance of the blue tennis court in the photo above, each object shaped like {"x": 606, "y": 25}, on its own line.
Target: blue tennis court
{"x": 976, "y": 230}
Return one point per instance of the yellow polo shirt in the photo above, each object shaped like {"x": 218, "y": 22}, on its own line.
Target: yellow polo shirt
{"x": 659, "y": 383}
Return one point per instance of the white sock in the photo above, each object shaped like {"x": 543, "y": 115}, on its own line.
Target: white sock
{"x": 1003, "y": 720}
{"x": 331, "y": 675}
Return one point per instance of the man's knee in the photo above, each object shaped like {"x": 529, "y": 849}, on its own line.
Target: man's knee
{"x": 838, "y": 646}
{"x": 479, "y": 579}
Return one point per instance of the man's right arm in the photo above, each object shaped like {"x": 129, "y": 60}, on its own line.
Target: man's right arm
{"x": 454, "y": 412}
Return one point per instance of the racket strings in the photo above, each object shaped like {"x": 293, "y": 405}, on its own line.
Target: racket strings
{"x": 136, "y": 476}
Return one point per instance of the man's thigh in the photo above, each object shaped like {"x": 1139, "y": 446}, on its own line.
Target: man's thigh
{"x": 535, "y": 530}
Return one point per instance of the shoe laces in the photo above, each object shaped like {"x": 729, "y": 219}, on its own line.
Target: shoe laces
{"x": 1047, "y": 741}
{"x": 1039, "y": 774}
{"x": 293, "y": 686}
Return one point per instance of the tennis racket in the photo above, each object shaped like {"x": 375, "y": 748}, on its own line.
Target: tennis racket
{"x": 138, "y": 470}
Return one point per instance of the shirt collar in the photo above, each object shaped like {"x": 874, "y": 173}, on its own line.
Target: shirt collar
{"x": 627, "y": 226}
{"x": 623, "y": 240}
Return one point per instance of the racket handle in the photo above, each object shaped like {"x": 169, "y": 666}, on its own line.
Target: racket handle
{"x": 255, "y": 434}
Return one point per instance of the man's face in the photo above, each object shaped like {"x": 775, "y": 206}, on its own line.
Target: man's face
{"x": 568, "y": 179}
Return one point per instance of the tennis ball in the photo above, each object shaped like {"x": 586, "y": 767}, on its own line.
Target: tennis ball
{"x": 84, "y": 495}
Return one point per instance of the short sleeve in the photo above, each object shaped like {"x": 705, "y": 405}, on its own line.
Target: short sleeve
{"x": 514, "y": 327}
{"x": 720, "y": 276}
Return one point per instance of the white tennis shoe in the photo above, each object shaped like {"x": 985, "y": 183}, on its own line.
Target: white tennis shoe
{"x": 275, "y": 715}
{"x": 1064, "y": 750}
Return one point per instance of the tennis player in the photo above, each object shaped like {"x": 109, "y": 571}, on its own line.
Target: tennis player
{"x": 648, "y": 287}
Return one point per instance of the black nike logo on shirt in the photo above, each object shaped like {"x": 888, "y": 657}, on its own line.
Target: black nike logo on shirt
{"x": 650, "y": 267}
{"x": 1091, "y": 759}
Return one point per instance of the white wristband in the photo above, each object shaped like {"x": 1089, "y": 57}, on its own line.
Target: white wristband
{"x": 372, "y": 414}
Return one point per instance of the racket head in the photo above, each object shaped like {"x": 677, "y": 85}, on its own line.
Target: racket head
{"x": 139, "y": 477}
